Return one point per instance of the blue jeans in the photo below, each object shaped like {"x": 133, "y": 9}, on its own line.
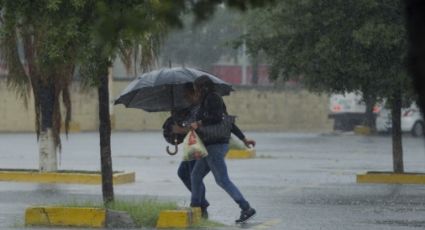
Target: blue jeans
{"x": 184, "y": 171}
{"x": 214, "y": 161}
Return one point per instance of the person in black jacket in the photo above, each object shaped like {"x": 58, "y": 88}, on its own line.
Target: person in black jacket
{"x": 183, "y": 118}
{"x": 211, "y": 112}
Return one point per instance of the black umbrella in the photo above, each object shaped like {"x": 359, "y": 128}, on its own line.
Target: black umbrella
{"x": 163, "y": 89}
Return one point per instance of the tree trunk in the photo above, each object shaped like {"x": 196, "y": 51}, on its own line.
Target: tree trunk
{"x": 111, "y": 93}
{"x": 47, "y": 149}
{"x": 47, "y": 152}
{"x": 415, "y": 12}
{"x": 370, "y": 119}
{"x": 105, "y": 139}
{"x": 396, "y": 133}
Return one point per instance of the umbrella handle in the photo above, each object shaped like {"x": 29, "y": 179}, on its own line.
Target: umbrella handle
{"x": 172, "y": 153}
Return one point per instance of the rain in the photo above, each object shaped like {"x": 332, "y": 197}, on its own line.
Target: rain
{"x": 115, "y": 106}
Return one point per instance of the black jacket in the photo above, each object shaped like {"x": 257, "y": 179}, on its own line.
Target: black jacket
{"x": 211, "y": 112}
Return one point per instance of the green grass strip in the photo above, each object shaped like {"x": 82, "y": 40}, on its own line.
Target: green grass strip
{"x": 144, "y": 212}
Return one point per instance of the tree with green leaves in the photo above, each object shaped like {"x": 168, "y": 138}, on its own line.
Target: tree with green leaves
{"x": 342, "y": 46}
{"x": 57, "y": 36}
{"x": 38, "y": 46}
{"x": 115, "y": 29}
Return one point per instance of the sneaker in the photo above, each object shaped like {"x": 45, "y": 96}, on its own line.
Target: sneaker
{"x": 246, "y": 215}
{"x": 204, "y": 213}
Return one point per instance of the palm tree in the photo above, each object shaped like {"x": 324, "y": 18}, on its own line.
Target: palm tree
{"x": 42, "y": 43}
{"x": 41, "y": 67}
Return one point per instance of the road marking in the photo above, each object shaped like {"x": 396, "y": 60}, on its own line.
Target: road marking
{"x": 268, "y": 224}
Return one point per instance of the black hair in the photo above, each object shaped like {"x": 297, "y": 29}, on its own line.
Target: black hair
{"x": 188, "y": 87}
{"x": 188, "y": 92}
{"x": 204, "y": 84}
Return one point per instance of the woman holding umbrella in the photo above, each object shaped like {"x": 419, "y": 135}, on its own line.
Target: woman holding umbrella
{"x": 211, "y": 111}
{"x": 184, "y": 117}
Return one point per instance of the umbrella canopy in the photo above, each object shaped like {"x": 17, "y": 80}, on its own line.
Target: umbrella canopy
{"x": 163, "y": 89}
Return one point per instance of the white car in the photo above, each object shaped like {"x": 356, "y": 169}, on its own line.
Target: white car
{"x": 411, "y": 121}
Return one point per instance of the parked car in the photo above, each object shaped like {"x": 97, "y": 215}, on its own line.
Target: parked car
{"x": 411, "y": 121}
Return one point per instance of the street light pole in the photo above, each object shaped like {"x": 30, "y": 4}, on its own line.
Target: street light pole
{"x": 244, "y": 63}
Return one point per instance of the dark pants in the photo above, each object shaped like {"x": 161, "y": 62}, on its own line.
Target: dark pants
{"x": 184, "y": 172}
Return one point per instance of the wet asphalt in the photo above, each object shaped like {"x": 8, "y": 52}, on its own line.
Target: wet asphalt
{"x": 297, "y": 180}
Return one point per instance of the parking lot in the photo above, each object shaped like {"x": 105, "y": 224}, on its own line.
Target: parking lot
{"x": 297, "y": 180}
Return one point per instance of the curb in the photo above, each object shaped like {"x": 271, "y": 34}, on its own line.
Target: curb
{"x": 179, "y": 218}
{"x": 391, "y": 178}
{"x": 241, "y": 154}
{"x": 362, "y": 130}
{"x": 69, "y": 217}
{"x": 63, "y": 177}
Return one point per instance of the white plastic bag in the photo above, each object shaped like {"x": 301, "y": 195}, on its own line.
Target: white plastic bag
{"x": 193, "y": 148}
{"x": 235, "y": 143}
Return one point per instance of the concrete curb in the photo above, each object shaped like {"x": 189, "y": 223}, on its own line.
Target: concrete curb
{"x": 64, "y": 177}
{"x": 362, "y": 130}
{"x": 391, "y": 178}
{"x": 241, "y": 154}
{"x": 57, "y": 216}
{"x": 66, "y": 217}
{"x": 184, "y": 218}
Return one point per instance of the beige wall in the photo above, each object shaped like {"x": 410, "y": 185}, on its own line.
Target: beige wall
{"x": 13, "y": 115}
{"x": 275, "y": 110}
{"x": 257, "y": 109}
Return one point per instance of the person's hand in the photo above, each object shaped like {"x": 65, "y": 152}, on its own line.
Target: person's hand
{"x": 249, "y": 142}
{"x": 178, "y": 129}
{"x": 194, "y": 125}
